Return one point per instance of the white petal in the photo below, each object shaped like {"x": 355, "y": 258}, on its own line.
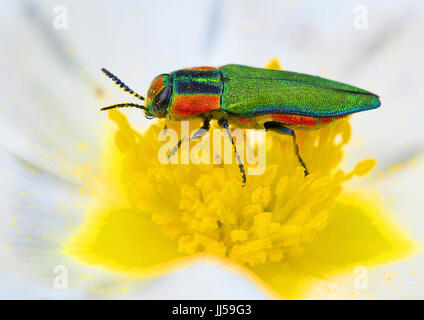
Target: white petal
{"x": 201, "y": 280}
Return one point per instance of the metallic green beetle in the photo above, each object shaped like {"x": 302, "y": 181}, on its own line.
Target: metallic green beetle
{"x": 248, "y": 97}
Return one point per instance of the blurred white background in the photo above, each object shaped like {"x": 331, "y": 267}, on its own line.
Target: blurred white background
{"x": 51, "y": 83}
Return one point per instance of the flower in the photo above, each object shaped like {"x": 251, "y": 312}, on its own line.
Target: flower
{"x": 283, "y": 229}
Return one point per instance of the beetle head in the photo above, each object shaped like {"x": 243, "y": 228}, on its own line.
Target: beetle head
{"x": 158, "y": 97}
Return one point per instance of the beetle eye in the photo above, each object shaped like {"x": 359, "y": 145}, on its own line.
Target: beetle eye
{"x": 160, "y": 104}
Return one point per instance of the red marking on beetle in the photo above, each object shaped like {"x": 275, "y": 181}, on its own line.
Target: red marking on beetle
{"x": 244, "y": 120}
{"x": 202, "y": 68}
{"x": 190, "y": 105}
{"x": 295, "y": 120}
{"x": 155, "y": 87}
{"x": 331, "y": 119}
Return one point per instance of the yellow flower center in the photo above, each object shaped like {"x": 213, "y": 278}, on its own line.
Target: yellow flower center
{"x": 205, "y": 208}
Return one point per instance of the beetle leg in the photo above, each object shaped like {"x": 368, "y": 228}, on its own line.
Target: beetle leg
{"x": 277, "y": 127}
{"x": 224, "y": 124}
{"x": 199, "y": 133}
{"x": 202, "y": 131}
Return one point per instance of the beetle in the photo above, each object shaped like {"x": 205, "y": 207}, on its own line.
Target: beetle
{"x": 248, "y": 97}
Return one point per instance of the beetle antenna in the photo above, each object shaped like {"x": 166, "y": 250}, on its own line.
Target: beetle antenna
{"x": 123, "y": 105}
{"x": 120, "y": 84}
